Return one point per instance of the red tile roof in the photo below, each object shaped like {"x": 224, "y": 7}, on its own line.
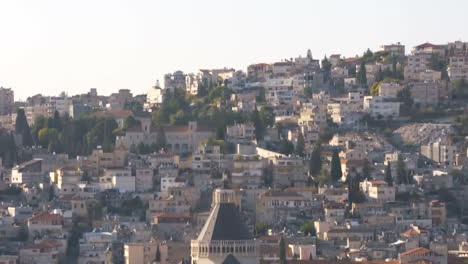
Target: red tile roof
{"x": 416, "y": 251}
{"x": 46, "y": 217}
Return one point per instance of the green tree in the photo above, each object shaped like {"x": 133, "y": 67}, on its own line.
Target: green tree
{"x": 388, "y": 175}
{"x": 335, "y": 171}
{"x": 361, "y": 76}
{"x": 315, "y": 162}
{"x": 300, "y": 145}
{"x": 308, "y": 228}
{"x": 8, "y": 152}
{"x": 160, "y": 138}
{"x": 326, "y": 67}
{"x": 261, "y": 228}
{"x": 286, "y": 147}
{"x": 158, "y": 255}
{"x": 402, "y": 173}
{"x": 258, "y": 124}
{"x": 282, "y": 252}
{"x": 366, "y": 170}
{"x": 22, "y": 127}
{"x": 131, "y": 122}
{"x": 375, "y": 88}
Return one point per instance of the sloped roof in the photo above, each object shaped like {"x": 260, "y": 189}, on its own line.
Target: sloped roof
{"x": 224, "y": 223}
{"x": 230, "y": 259}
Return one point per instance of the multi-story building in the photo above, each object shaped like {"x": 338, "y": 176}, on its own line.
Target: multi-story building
{"x": 29, "y": 172}
{"x": 168, "y": 182}
{"x": 378, "y": 191}
{"x": 377, "y": 107}
{"x": 59, "y": 104}
{"x": 276, "y": 205}
{"x": 428, "y": 92}
{"x": 316, "y": 115}
{"x": 458, "y": 68}
{"x": 154, "y": 96}
{"x": 179, "y": 139}
{"x": 41, "y": 252}
{"x": 143, "y": 179}
{"x": 248, "y": 168}
{"x": 397, "y": 49}
{"x": 279, "y": 91}
{"x": 389, "y": 90}
{"x": 240, "y": 133}
{"x": 117, "y": 101}
{"x": 440, "y": 152}
{"x": 288, "y": 171}
{"x": 140, "y": 252}
{"x": 6, "y": 100}
{"x": 418, "y": 62}
{"x": 430, "y": 48}
{"x": 429, "y": 75}
{"x": 46, "y": 223}
{"x": 119, "y": 178}
{"x": 95, "y": 247}
{"x": 66, "y": 180}
{"x": 35, "y": 111}
{"x": 258, "y": 72}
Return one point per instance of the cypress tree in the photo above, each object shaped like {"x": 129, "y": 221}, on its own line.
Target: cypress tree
{"x": 335, "y": 171}
{"x": 362, "y": 75}
{"x": 22, "y": 128}
{"x": 158, "y": 255}
{"x": 388, "y": 175}
{"x": 282, "y": 252}
{"x": 160, "y": 138}
{"x": 300, "y": 145}
{"x": 366, "y": 170}
{"x": 315, "y": 163}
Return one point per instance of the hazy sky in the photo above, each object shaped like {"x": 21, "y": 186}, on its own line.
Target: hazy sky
{"x": 49, "y": 46}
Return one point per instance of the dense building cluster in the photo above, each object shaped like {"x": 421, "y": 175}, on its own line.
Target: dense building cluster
{"x": 341, "y": 160}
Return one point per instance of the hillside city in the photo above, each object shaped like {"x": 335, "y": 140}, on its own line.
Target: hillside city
{"x": 360, "y": 159}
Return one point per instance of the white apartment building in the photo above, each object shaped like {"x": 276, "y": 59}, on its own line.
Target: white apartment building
{"x": 168, "y": 182}
{"x": 417, "y": 62}
{"x": 279, "y": 91}
{"x": 247, "y": 167}
{"x": 117, "y": 178}
{"x": 458, "y": 68}
{"x": 377, "y": 107}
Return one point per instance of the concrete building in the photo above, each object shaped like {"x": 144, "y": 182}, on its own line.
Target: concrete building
{"x": 378, "y": 108}
{"x": 140, "y": 252}
{"x": 458, "y": 68}
{"x": 118, "y": 100}
{"x": 428, "y": 92}
{"x": 389, "y": 90}
{"x": 378, "y": 191}
{"x": 29, "y": 172}
{"x": 7, "y": 99}
{"x": 240, "y": 133}
{"x": 276, "y": 205}
{"x": 248, "y": 167}
{"x": 154, "y": 96}
{"x": 397, "y": 49}
{"x": 440, "y": 152}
